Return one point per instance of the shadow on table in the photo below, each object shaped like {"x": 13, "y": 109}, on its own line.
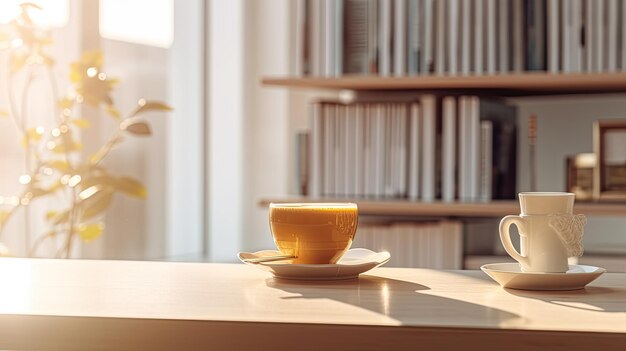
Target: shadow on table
{"x": 406, "y": 302}
{"x": 592, "y": 298}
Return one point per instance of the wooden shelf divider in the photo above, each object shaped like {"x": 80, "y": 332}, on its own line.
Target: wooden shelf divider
{"x": 514, "y": 84}
{"x": 498, "y": 208}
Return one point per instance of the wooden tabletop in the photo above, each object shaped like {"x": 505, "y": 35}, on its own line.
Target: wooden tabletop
{"x": 76, "y": 305}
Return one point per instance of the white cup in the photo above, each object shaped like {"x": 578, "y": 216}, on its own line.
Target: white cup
{"x": 549, "y": 232}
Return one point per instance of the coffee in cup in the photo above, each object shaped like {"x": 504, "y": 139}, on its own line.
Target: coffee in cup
{"x": 315, "y": 233}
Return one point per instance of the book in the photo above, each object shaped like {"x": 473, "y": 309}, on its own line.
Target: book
{"x": 453, "y": 28}
{"x": 555, "y": 27}
{"x": 519, "y": 59}
{"x": 350, "y": 154}
{"x": 589, "y": 34}
{"x": 428, "y": 39}
{"x": 378, "y": 163}
{"x": 611, "y": 37}
{"x": 301, "y": 163}
{"x": 329, "y": 149}
{"x": 479, "y": 30}
{"x": 466, "y": 38}
{"x": 316, "y": 168}
{"x": 535, "y": 35}
{"x": 359, "y": 150}
{"x": 449, "y": 159}
{"x": 504, "y": 36}
{"x": 486, "y": 160}
{"x": 300, "y": 44}
{"x": 429, "y": 146}
{"x": 414, "y": 151}
{"x": 472, "y": 111}
{"x": 491, "y": 50}
{"x": 568, "y": 33}
{"x": 413, "y": 37}
{"x": 356, "y": 59}
{"x": 384, "y": 37}
{"x": 399, "y": 37}
{"x": 441, "y": 49}
{"x": 623, "y": 36}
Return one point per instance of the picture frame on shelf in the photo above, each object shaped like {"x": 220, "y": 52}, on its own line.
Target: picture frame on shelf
{"x": 609, "y": 177}
{"x": 580, "y": 168}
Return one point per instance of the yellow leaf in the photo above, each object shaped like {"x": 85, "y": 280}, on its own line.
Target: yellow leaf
{"x": 51, "y": 214}
{"x": 97, "y": 203}
{"x": 66, "y": 102}
{"x": 33, "y": 135}
{"x": 81, "y": 122}
{"x": 113, "y": 112}
{"x": 67, "y": 147}
{"x": 4, "y": 215}
{"x": 76, "y": 75}
{"x": 59, "y": 165}
{"x": 93, "y": 58}
{"x": 135, "y": 126}
{"x": 131, "y": 187}
{"x": 146, "y": 106}
{"x": 91, "y": 231}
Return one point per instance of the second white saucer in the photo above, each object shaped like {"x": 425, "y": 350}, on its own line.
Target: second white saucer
{"x": 509, "y": 275}
{"x": 349, "y": 266}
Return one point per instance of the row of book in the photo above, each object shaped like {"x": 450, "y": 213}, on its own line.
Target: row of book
{"x": 450, "y": 148}
{"x": 458, "y": 37}
{"x": 436, "y": 245}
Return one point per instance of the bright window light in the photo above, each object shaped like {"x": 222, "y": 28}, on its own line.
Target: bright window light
{"x": 55, "y": 12}
{"x": 147, "y": 22}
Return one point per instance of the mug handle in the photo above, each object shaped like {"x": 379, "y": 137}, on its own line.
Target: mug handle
{"x": 505, "y": 237}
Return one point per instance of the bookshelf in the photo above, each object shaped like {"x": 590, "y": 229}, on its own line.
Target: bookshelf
{"x": 493, "y": 209}
{"x": 485, "y": 49}
{"x": 520, "y": 84}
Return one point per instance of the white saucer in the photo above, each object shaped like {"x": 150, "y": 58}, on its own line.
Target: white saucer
{"x": 509, "y": 275}
{"x": 353, "y": 263}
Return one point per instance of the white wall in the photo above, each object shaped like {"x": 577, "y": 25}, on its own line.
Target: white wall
{"x": 564, "y": 127}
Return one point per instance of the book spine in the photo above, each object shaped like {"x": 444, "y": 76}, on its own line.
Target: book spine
{"x": 317, "y": 150}
{"x": 449, "y": 148}
{"x": 611, "y": 36}
{"x": 568, "y": 31}
{"x": 356, "y": 54}
{"x": 553, "y": 35}
{"x": 384, "y": 37}
{"x": 413, "y": 37}
{"x": 428, "y": 39}
{"x": 329, "y": 149}
{"x": 466, "y": 44}
{"x": 429, "y": 134}
{"x": 399, "y": 40}
{"x": 440, "y": 45}
{"x": 491, "y": 36}
{"x": 504, "y": 36}
{"x": 452, "y": 28}
{"x": 486, "y": 160}
{"x": 479, "y": 25}
{"x": 414, "y": 153}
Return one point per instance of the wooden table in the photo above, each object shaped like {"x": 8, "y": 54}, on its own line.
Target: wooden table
{"x": 80, "y": 305}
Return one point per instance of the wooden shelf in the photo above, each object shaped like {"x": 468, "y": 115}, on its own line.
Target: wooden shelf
{"x": 399, "y": 207}
{"x": 521, "y": 84}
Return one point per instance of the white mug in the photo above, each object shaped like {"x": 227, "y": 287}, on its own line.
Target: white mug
{"x": 549, "y": 232}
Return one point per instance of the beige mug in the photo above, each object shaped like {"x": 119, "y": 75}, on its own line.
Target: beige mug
{"x": 549, "y": 232}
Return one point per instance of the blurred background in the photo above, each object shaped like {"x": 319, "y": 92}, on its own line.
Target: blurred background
{"x": 229, "y": 142}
